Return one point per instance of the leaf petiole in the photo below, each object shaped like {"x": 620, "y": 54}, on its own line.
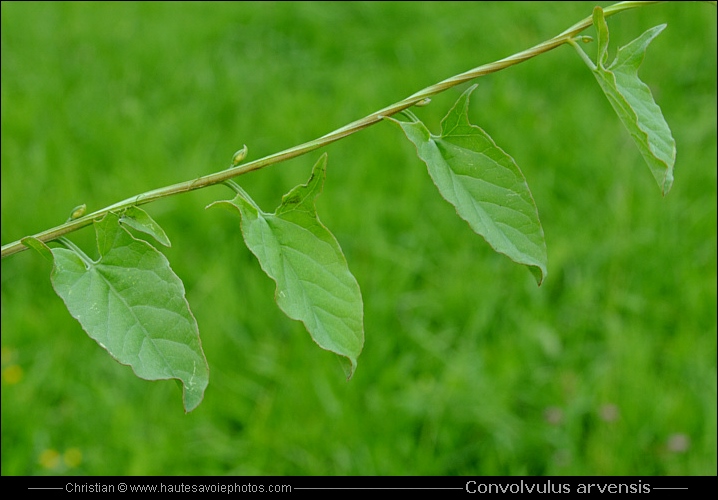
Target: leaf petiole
{"x": 582, "y": 54}
{"x": 71, "y": 246}
{"x": 410, "y": 115}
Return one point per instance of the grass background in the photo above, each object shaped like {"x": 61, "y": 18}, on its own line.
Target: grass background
{"x": 468, "y": 367}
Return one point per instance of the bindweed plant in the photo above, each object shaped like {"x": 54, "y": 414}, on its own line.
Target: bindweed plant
{"x": 132, "y": 304}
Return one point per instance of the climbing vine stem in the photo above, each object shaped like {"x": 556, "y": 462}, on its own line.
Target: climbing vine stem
{"x": 419, "y": 98}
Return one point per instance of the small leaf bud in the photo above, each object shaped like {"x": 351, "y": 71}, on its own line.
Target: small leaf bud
{"x": 239, "y": 156}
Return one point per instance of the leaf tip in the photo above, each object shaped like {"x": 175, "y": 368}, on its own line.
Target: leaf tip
{"x": 539, "y": 273}
{"x": 190, "y": 403}
{"x": 667, "y": 185}
{"x": 348, "y": 364}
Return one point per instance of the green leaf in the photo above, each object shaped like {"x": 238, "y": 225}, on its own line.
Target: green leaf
{"x": 140, "y": 220}
{"x": 131, "y": 303}
{"x": 484, "y": 184}
{"x": 314, "y": 284}
{"x": 38, "y": 246}
{"x": 633, "y": 102}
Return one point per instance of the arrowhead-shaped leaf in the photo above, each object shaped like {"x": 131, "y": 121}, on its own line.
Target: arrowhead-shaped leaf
{"x": 139, "y": 220}
{"x": 484, "y": 183}
{"x": 633, "y": 102}
{"x": 131, "y": 303}
{"x": 314, "y": 284}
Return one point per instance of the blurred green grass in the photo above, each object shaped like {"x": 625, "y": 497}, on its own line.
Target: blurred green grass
{"x": 468, "y": 368}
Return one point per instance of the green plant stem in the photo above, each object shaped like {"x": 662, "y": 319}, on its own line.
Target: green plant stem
{"x": 71, "y": 246}
{"x": 367, "y": 121}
